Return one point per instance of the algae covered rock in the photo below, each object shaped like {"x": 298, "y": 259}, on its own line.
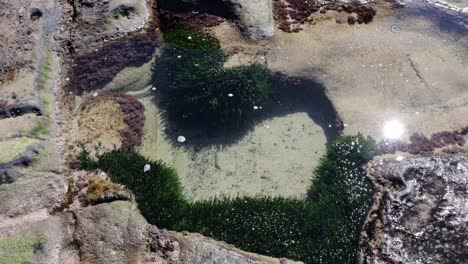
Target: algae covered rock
{"x": 255, "y": 17}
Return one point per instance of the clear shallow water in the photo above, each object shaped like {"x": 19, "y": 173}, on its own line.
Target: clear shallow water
{"x": 405, "y": 81}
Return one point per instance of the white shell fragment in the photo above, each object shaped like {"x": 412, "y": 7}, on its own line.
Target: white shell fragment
{"x": 95, "y": 94}
{"x": 255, "y": 107}
{"x": 181, "y": 139}
{"x": 189, "y": 37}
{"x": 147, "y": 168}
{"x": 230, "y": 94}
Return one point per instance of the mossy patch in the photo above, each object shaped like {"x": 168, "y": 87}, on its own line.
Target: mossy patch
{"x": 13, "y": 148}
{"x": 45, "y": 72}
{"x": 20, "y": 248}
{"x": 40, "y": 129}
{"x": 323, "y": 228}
{"x": 201, "y": 91}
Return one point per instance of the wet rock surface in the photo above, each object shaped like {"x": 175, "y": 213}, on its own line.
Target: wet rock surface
{"x": 198, "y": 249}
{"x": 255, "y": 17}
{"x": 420, "y": 212}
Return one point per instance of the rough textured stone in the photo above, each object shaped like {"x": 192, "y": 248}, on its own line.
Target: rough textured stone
{"x": 93, "y": 21}
{"x": 8, "y": 175}
{"x": 111, "y": 233}
{"x": 197, "y": 249}
{"x": 32, "y": 240}
{"x": 256, "y": 17}
{"x": 420, "y": 212}
{"x": 24, "y": 197}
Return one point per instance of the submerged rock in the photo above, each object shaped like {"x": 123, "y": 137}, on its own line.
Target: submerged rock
{"x": 420, "y": 212}
{"x": 255, "y": 17}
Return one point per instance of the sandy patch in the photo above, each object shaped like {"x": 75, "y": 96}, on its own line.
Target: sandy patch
{"x": 276, "y": 157}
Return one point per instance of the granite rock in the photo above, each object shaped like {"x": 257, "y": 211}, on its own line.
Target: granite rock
{"x": 420, "y": 212}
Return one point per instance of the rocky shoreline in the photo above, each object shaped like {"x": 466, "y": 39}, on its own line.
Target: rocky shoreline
{"x": 51, "y": 213}
{"x": 419, "y": 213}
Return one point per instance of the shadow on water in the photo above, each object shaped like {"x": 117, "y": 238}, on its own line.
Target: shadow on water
{"x": 218, "y": 8}
{"x": 289, "y": 96}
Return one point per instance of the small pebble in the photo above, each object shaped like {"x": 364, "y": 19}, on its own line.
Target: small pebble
{"x": 181, "y": 139}
{"x": 95, "y": 94}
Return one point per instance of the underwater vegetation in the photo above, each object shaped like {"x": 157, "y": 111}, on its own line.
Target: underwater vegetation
{"x": 323, "y": 228}
{"x": 191, "y": 20}
{"x": 93, "y": 69}
{"x": 158, "y": 191}
{"x": 200, "y": 89}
